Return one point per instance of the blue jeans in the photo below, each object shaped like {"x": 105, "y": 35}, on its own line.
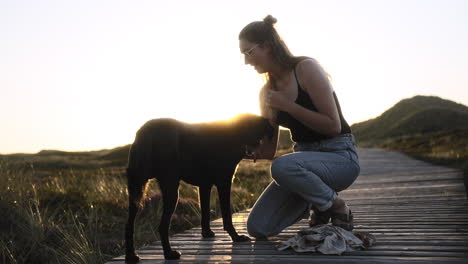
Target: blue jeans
{"x": 310, "y": 176}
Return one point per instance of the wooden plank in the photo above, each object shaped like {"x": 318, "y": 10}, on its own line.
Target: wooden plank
{"x": 267, "y": 249}
{"x": 382, "y": 242}
{"x": 154, "y": 259}
{"x": 254, "y": 251}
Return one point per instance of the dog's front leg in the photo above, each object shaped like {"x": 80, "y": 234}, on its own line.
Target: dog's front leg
{"x": 224, "y": 192}
{"x": 204, "y": 193}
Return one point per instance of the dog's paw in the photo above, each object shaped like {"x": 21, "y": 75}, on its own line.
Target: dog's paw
{"x": 241, "y": 238}
{"x": 173, "y": 254}
{"x": 132, "y": 258}
{"x": 207, "y": 233}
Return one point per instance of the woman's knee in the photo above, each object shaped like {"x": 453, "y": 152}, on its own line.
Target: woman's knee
{"x": 254, "y": 227}
{"x": 281, "y": 167}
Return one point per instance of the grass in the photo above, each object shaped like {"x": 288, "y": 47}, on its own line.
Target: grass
{"x": 58, "y": 216}
{"x": 61, "y": 208}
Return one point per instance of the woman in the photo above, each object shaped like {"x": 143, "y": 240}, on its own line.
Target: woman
{"x": 298, "y": 95}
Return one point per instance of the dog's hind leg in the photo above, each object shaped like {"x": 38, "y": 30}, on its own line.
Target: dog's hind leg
{"x": 130, "y": 255}
{"x": 224, "y": 192}
{"x": 170, "y": 195}
{"x": 135, "y": 191}
{"x": 204, "y": 193}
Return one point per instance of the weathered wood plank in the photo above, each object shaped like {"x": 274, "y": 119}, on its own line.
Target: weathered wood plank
{"x": 267, "y": 249}
{"x": 153, "y": 259}
{"x": 254, "y": 251}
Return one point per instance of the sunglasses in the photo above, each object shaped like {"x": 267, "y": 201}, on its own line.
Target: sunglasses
{"x": 248, "y": 52}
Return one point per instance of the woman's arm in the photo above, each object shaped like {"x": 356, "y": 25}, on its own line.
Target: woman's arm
{"x": 267, "y": 148}
{"x": 314, "y": 81}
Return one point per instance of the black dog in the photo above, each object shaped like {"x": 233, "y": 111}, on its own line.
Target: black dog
{"x": 204, "y": 155}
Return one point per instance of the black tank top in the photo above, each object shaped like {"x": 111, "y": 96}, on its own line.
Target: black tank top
{"x": 300, "y": 132}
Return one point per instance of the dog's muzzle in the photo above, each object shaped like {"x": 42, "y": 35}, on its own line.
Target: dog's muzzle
{"x": 249, "y": 153}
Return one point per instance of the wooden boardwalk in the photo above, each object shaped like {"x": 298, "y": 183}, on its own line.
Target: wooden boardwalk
{"x": 418, "y": 213}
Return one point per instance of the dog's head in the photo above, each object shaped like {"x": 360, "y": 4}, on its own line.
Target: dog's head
{"x": 252, "y": 128}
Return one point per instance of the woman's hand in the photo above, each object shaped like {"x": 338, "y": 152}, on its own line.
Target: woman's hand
{"x": 277, "y": 100}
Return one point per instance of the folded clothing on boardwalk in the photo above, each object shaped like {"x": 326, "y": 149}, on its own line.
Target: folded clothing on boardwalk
{"x": 328, "y": 239}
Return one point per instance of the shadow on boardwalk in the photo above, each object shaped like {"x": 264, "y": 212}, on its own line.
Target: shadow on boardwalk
{"x": 417, "y": 211}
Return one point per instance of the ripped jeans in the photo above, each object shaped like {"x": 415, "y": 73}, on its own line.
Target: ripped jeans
{"x": 310, "y": 176}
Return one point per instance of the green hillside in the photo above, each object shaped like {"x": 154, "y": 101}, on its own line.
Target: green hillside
{"x": 425, "y": 127}
{"x": 56, "y": 159}
{"x": 417, "y": 115}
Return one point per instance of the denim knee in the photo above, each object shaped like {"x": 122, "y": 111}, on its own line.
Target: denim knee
{"x": 254, "y": 228}
{"x": 280, "y": 168}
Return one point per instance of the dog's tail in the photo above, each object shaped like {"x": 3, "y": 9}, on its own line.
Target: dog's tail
{"x": 136, "y": 186}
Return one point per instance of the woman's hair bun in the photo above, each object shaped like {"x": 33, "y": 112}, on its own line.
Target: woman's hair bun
{"x": 270, "y": 20}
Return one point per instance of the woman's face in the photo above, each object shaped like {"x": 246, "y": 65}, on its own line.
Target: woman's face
{"x": 255, "y": 55}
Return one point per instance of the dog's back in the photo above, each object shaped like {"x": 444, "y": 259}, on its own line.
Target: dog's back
{"x": 155, "y": 145}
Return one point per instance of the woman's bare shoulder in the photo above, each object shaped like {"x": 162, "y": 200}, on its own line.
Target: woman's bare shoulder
{"x": 310, "y": 71}
{"x": 308, "y": 65}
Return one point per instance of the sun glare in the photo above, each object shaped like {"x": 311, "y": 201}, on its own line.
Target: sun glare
{"x": 219, "y": 100}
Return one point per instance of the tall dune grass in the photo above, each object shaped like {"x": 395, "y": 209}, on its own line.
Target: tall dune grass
{"x": 77, "y": 215}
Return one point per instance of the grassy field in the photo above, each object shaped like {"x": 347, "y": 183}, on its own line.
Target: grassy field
{"x": 60, "y": 207}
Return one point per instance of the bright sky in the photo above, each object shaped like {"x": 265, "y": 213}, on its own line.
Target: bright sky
{"x": 85, "y": 75}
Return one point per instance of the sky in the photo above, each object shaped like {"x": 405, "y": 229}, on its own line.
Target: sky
{"x": 86, "y": 75}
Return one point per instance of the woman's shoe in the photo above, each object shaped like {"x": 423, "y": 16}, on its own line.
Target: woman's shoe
{"x": 319, "y": 218}
{"x": 344, "y": 221}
